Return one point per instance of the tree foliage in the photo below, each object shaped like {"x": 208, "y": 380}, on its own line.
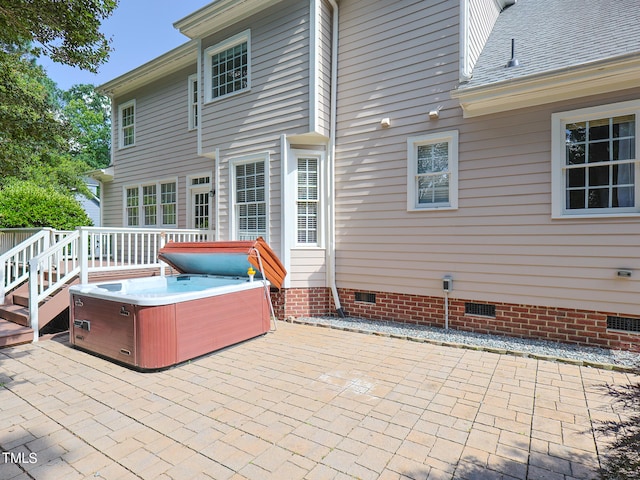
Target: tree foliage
{"x": 68, "y": 32}
{"x": 25, "y": 204}
{"x": 28, "y": 122}
{"x": 88, "y": 114}
{"x": 50, "y": 137}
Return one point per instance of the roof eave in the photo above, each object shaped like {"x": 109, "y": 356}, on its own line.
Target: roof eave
{"x": 564, "y": 84}
{"x": 218, "y": 15}
{"x": 172, "y": 61}
{"x": 102, "y": 174}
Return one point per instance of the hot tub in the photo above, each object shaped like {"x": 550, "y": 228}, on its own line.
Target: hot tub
{"x": 153, "y": 323}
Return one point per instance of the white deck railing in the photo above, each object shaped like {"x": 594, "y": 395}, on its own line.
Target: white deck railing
{"x": 97, "y": 249}
{"x": 111, "y": 249}
{"x": 18, "y": 248}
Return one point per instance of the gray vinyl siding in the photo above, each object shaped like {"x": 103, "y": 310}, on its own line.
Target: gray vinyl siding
{"x": 164, "y": 146}
{"x": 252, "y": 123}
{"x": 324, "y": 75}
{"x": 482, "y": 16}
{"x": 278, "y": 100}
{"x": 308, "y": 268}
{"x": 400, "y": 60}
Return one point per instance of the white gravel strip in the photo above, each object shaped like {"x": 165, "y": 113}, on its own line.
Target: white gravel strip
{"x": 540, "y": 349}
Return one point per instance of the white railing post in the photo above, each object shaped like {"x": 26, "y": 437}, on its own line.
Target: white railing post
{"x": 83, "y": 246}
{"x": 33, "y": 297}
{"x": 163, "y": 239}
{"x": 3, "y": 266}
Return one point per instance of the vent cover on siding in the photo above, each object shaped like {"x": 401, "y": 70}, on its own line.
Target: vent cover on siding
{"x": 365, "y": 297}
{"x": 624, "y": 323}
{"x": 482, "y": 309}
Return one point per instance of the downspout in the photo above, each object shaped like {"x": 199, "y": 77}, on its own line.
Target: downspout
{"x": 465, "y": 73}
{"x": 216, "y": 188}
{"x": 331, "y": 210}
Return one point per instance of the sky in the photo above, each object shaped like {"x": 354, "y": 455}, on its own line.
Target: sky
{"x": 141, "y": 30}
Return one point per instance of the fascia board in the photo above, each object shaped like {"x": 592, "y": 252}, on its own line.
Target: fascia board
{"x": 172, "y": 61}
{"x": 219, "y": 15}
{"x": 593, "y": 79}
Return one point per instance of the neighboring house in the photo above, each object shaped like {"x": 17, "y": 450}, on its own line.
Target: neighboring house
{"x": 91, "y": 205}
{"x": 380, "y": 147}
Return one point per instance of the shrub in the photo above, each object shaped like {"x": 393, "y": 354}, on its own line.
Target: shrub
{"x": 24, "y": 204}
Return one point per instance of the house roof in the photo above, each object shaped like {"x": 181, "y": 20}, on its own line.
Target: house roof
{"x": 589, "y": 44}
{"x": 208, "y": 19}
{"x": 172, "y": 61}
{"x": 218, "y": 15}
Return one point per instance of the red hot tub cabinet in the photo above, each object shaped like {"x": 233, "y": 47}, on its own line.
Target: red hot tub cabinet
{"x": 154, "y": 323}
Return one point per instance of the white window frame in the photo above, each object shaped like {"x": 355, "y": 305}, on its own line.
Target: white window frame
{"x": 233, "y": 192}
{"x": 121, "y": 127}
{"x": 231, "y": 42}
{"x": 558, "y": 160}
{"x": 192, "y": 102}
{"x": 298, "y": 155}
{"x": 451, "y": 137}
{"x": 125, "y": 190}
{"x": 141, "y": 207}
{"x": 199, "y": 188}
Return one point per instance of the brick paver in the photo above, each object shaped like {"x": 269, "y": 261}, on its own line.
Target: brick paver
{"x": 302, "y": 402}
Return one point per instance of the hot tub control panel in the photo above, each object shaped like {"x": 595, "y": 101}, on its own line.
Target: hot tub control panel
{"x": 101, "y": 327}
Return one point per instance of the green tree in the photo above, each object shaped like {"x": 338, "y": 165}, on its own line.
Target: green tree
{"x": 24, "y": 204}
{"x": 28, "y": 122}
{"x": 88, "y": 114}
{"x": 36, "y": 139}
{"x": 68, "y": 32}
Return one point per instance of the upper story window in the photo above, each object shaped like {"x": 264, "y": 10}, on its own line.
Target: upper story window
{"x": 158, "y": 201}
{"x": 127, "y": 115}
{"x": 250, "y": 198}
{"x": 228, "y": 67}
{"x": 432, "y": 171}
{"x": 193, "y": 102}
{"x": 595, "y": 161}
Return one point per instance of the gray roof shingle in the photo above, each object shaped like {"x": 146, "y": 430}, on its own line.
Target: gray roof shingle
{"x": 557, "y": 34}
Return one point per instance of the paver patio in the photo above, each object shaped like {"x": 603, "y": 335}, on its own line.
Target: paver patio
{"x": 303, "y": 402}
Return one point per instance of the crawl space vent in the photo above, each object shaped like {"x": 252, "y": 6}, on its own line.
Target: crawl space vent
{"x": 482, "y": 309}
{"x": 624, "y": 323}
{"x": 365, "y": 297}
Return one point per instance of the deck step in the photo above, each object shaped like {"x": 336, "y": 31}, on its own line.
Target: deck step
{"x": 13, "y": 334}
{"x": 21, "y": 299}
{"x": 15, "y": 313}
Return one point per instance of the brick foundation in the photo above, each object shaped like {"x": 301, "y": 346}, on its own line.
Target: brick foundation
{"x": 582, "y": 327}
{"x": 306, "y": 302}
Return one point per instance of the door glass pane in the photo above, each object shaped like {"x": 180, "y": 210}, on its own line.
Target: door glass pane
{"x": 201, "y": 210}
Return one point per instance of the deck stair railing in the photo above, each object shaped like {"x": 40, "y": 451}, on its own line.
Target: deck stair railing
{"x": 18, "y": 246}
{"x": 98, "y": 249}
{"x": 49, "y": 271}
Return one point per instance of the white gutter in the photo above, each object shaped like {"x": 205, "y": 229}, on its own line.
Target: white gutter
{"x": 593, "y": 78}
{"x": 331, "y": 187}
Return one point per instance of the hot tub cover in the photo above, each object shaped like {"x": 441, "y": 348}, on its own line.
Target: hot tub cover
{"x": 226, "y": 258}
